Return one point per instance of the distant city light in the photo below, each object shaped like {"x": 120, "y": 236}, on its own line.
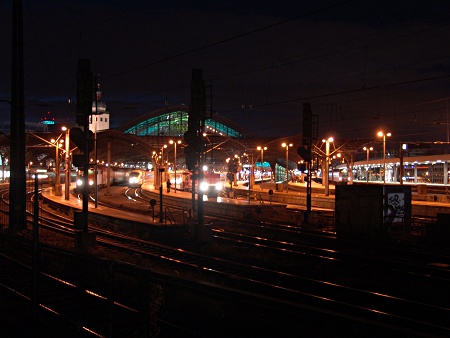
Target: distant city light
{"x": 46, "y": 121}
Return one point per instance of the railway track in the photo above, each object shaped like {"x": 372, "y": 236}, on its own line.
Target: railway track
{"x": 400, "y": 255}
{"x": 338, "y": 294}
{"x": 383, "y": 310}
{"x": 408, "y": 257}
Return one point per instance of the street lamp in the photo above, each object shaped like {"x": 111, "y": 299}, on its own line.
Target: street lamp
{"x": 56, "y": 142}
{"x": 155, "y": 166}
{"x": 285, "y": 145}
{"x": 175, "y": 161}
{"x": 262, "y": 153}
{"x": 367, "y": 149}
{"x": 382, "y": 134}
{"x": 162, "y": 162}
{"x": 262, "y": 159}
{"x": 326, "y": 174}
{"x": 161, "y": 170}
{"x": 162, "y": 155}
{"x": 67, "y": 165}
{"x": 29, "y": 170}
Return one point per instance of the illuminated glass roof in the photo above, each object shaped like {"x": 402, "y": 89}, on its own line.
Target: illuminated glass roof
{"x": 175, "y": 123}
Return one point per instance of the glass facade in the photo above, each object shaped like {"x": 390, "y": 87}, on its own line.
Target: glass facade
{"x": 420, "y": 171}
{"x": 175, "y": 123}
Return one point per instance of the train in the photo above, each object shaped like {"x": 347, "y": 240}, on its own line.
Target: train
{"x": 117, "y": 176}
{"x": 211, "y": 185}
{"x": 182, "y": 180}
{"x": 138, "y": 177}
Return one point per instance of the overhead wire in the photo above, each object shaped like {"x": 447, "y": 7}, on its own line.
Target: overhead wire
{"x": 235, "y": 37}
{"x": 274, "y": 64}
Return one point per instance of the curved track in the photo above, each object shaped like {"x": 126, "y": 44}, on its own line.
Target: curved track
{"x": 325, "y": 278}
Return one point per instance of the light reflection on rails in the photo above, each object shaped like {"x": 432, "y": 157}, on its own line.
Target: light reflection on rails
{"x": 295, "y": 288}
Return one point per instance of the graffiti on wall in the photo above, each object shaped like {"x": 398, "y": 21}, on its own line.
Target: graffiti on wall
{"x": 395, "y": 209}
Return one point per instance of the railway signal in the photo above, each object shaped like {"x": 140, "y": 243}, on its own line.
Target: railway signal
{"x": 79, "y": 137}
{"x": 305, "y": 152}
{"x": 84, "y": 109}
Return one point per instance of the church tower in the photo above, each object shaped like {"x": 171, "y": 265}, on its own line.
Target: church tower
{"x": 99, "y": 120}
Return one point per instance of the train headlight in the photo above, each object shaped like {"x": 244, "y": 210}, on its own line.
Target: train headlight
{"x": 79, "y": 183}
{"x": 204, "y": 186}
{"x": 91, "y": 182}
{"x": 219, "y": 186}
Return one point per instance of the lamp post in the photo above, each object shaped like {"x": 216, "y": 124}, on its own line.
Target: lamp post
{"x": 262, "y": 159}
{"x": 285, "y": 145}
{"x": 58, "y": 191}
{"x": 175, "y": 160}
{"x": 161, "y": 167}
{"x": 29, "y": 170}
{"x": 155, "y": 166}
{"x": 367, "y": 149}
{"x": 326, "y": 174}
{"x": 161, "y": 170}
{"x": 162, "y": 155}
{"x": 262, "y": 153}
{"x": 67, "y": 165}
{"x": 382, "y": 134}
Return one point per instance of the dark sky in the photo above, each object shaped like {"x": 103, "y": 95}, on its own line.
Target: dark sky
{"x": 363, "y": 65}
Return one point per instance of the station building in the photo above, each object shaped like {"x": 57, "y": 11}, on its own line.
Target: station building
{"x": 135, "y": 144}
{"x": 225, "y": 140}
{"x": 428, "y": 167}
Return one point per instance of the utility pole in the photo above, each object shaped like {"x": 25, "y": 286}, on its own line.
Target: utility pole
{"x": 194, "y": 152}
{"x": 305, "y": 152}
{"x": 17, "y": 202}
{"x": 84, "y": 110}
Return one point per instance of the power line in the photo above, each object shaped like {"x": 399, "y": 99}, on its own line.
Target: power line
{"x": 228, "y": 39}
{"x": 351, "y": 91}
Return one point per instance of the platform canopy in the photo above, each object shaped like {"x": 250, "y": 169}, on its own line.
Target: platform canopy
{"x": 173, "y": 121}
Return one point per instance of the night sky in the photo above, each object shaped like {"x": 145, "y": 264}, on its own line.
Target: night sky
{"x": 363, "y": 65}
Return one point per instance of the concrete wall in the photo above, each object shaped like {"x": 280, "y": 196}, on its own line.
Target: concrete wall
{"x": 237, "y": 208}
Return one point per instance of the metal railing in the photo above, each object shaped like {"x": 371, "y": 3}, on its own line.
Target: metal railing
{"x": 176, "y": 215}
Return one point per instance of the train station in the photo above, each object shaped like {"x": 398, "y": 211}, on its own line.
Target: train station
{"x": 366, "y": 193}
{"x": 158, "y": 138}
{"x": 371, "y": 197}
{"x": 301, "y": 190}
